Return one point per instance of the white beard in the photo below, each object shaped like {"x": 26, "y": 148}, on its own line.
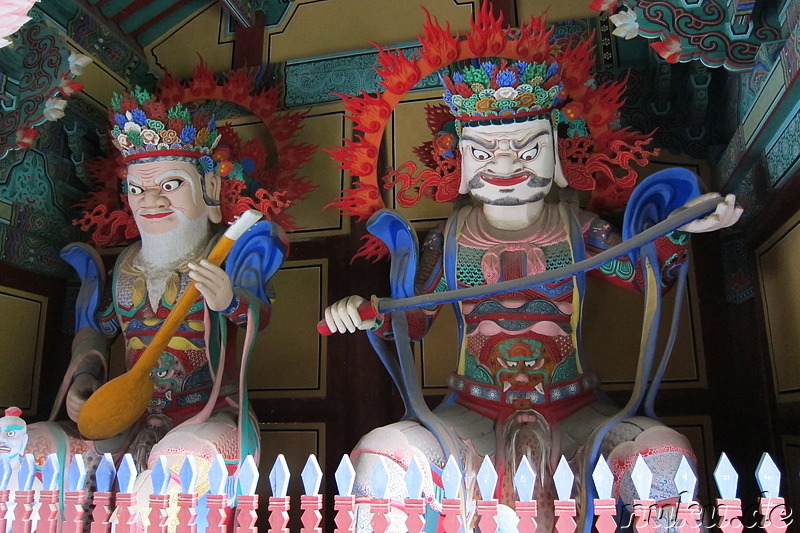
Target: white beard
{"x": 162, "y": 254}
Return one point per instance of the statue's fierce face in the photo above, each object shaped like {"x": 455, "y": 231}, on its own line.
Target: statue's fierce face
{"x": 163, "y": 195}
{"x": 509, "y": 164}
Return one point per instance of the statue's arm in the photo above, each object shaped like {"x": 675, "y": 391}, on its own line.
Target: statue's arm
{"x": 430, "y": 279}
{"x": 95, "y": 322}
{"x": 236, "y": 312}
{"x": 671, "y": 250}
{"x": 343, "y": 315}
{"x": 655, "y": 199}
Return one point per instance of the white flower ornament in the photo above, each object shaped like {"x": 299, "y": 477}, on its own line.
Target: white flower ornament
{"x": 54, "y": 108}
{"x": 77, "y": 62}
{"x": 505, "y": 93}
{"x": 626, "y": 25}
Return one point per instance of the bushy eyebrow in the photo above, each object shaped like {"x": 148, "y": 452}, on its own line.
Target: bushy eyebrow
{"x": 492, "y": 144}
{"x": 484, "y": 143}
{"x": 528, "y": 139}
{"x": 172, "y": 173}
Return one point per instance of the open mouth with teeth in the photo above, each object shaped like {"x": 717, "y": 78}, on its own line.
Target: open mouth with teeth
{"x": 539, "y": 387}
{"x": 4, "y": 449}
{"x": 506, "y": 181}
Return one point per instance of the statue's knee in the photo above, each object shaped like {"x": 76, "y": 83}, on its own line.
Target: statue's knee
{"x": 204, "y": 441}
{"x": 400, "y": 441}
{"x": 399, "y": 444}
{"x": 662, "y": 449}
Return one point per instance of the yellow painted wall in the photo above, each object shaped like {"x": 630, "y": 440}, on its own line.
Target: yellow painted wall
{"x": 780, "y": 287}
{"x": 289, "y": 361}
{"x": 201, "y": 35}
{"x": 100, "y": 82}
{"x": 556, "y": 11}
{"x": 22, "y": 330}
{"x": 314, "y": 28}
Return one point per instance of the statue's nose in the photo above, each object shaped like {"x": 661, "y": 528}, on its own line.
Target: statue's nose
{"x": 154, "y": 198}
{"x": 506, "y": 163}
{"x": 521, "y": 377}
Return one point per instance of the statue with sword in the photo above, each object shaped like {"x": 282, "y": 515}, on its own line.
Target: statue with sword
{"x": 513, "y": 266}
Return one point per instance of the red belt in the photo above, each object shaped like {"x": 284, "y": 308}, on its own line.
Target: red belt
{"x": 555, "y": 403}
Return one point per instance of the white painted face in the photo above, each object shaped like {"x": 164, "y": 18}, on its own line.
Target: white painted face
{"x": 162, "y": 193}
{"x": 13, "y": 436}
{"x": 509, "y": 164}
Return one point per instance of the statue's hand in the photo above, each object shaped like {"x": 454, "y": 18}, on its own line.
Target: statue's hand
{"x": 343, "y": 315}
{"x": 82, "y": 387}
{"x": 726, "y": 214}
{"x": 213, "y": 283}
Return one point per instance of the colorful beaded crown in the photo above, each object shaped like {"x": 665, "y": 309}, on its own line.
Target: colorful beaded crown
{"x": 143, "y": 127}
{"x": 495, "y": 88}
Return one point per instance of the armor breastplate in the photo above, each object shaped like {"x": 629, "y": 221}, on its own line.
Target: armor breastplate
{"x": 518, "y": 348}
{"x": 181, "y": 376}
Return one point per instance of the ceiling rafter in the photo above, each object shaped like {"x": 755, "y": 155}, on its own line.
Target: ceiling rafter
{"x": 112, "y": 26}
{"x": 164, "y": 14}
{"x": 130, "y": 9}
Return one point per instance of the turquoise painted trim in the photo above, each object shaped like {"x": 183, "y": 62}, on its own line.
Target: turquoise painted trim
{"x": 276, "y": 10}
{"x": 783, "y": 152}
{"x": 312, "y": 81}
{"x": 726, "y": 40}
{"x": 114, "y": 7}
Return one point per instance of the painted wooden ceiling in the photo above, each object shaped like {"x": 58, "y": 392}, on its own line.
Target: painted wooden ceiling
{"x": 145, "y": 20}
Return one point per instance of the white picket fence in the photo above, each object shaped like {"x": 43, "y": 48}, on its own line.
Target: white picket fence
{"x": 231, "y": 505}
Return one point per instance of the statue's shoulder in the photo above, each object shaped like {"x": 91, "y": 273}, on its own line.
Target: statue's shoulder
{"x": 128, "y": 255}
{"x": 455, "y": 224}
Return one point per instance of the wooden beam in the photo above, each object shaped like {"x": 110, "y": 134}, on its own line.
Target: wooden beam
{"x": 509, "y": 10}
{"x": 167, "y": 12}
{"x": 132, "y": 8}
{"x": 112, "y": 28}
{"x": 248, "y": 43}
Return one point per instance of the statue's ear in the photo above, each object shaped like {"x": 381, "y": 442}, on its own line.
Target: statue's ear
{"x": 463, "y": 185}
{"x": 558, "y": 174}
{"x": 213, "y": 186}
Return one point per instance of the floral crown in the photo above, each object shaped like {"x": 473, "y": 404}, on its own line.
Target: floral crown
{"x": 495, "y": 88}
{"x": 143, "y": 127}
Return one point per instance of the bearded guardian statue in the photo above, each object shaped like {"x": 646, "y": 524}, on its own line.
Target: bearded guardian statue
{"x": 173, "y": 183}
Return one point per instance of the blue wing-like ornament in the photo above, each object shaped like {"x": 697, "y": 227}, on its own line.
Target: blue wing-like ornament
{"x": 398, "y": 235}
{"x": 87, "y": 263}
{"x": 256, "y": 256}
{"x": 655, "y": 198}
